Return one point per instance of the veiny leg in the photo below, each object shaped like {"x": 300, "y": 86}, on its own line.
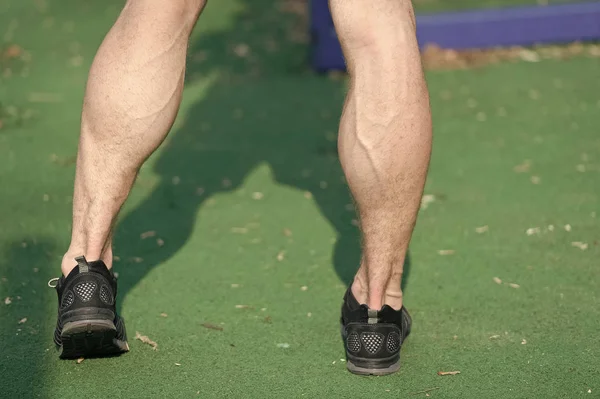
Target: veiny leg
{"x": 131, "y": 100}
{"x": 385, "y": 137}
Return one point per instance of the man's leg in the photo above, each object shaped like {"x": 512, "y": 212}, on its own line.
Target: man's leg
{"x": 132, "y": 97}
{"x": 385, "y": 137}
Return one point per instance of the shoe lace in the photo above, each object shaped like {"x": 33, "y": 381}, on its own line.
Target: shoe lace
{"x": 53, "y": 281}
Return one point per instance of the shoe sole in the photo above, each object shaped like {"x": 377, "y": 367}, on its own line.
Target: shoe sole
{"x": 91, "y": 338}
{"x": 354, "y": 369}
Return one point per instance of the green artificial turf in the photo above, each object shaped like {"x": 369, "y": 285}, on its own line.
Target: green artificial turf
{"x": 247, "y": 196}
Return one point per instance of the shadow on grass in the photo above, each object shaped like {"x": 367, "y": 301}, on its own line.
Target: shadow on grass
{"x": 265, "y": 106}
{"x": 25, "y": 323}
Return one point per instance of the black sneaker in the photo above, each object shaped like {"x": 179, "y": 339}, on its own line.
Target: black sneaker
{"x": 372, "y": 338}
{"x": 88, "y": 324}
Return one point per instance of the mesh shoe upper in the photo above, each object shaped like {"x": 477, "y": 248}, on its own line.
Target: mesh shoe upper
{"x": 370, "y": 334}
{"x": 88, "y": 291}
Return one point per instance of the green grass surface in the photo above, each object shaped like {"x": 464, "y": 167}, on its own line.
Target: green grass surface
{"x": 265, "y": 124}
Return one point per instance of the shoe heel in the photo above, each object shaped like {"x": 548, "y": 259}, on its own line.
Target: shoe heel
{"x": 369, "y": 367}
{"x": 89, "y": 338}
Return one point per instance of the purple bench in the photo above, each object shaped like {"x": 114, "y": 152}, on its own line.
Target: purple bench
{"x": 561, "y": 23}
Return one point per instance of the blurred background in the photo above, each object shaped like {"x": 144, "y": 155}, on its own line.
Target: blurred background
{"x": 240, "y": 237}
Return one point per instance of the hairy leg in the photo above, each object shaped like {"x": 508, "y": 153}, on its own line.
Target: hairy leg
{"x": 132, "y": 97}
{"x": 385, "y": 137}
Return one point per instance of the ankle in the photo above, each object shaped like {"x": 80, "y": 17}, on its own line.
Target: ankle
{"x": 68, "y": 261}
{"x": 374, "y": 296}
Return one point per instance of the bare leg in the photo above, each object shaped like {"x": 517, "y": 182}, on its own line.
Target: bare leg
{"x": 131, "y": 100}
{"x": 385, "y": 137}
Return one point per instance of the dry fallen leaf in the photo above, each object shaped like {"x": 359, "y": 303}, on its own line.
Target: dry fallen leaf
{"x": 481, "y": 229}
{"x": 287, "y": 232}
{"x": 308, "y": 195}
{"x": 160, "y": 242}
{"x": 281, "y": 255}
{"x": 513, "y": 285}
{"x": 241, "y": 50}
{"x": 523, "y": 167}
{"x": 494, "y": 337}
{"x": 304, "y": 288}
{"x": 444, "y": 252}
{"x": 212, "y": 326}
{"x": 23, "y": 320}
{"x": 425, "y": 201}
{"x": 164, "y": 314}
{"x": 497, "y": 280}
{"x": 283, "y": 345}
{"x": 567, "y": 227}
{"x": 177, "y": 364}
{"x": 147, "y": 234}
{"x": 146, "y": 340}
{"x": 7, "y": 300}
{"x": 524, "y": 341}
{"x": 581, "y": 245}
{"x": 80, "y": 360}
{"x": 535, "y": 179}
{"x": 448, "y": 372}
{"x": 309, "y": 314}
{"x": 257, "y": 195}
{"x": 532, "y": 230}
{"x": 235, "y": 285}
{"x": 243, "y": 307}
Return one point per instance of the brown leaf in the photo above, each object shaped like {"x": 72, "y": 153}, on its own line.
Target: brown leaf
{"x": 281, "y": 255}
{"x": 160, "y": 242}
{"x": 268, "y": 320}
{"x": 23, "y": 320}
{"x": 243, "y": 307}
{"x": 481, "y": 229}
{"x": 241, "y": 50}
{"x": 523, "y": 167}
{"x": 497, "y": 280}
{"x": 164, "y": 314}
{"x": 80, "y": 360}
{"x": 146, "y": 340}
{"x": 7, "y": 300}
{"x": 257, "y": 195}
{"x": 448, "y": 372}
{"x": 212, "y": 326}
{"x": 12, "y": 51}
{"x": 147, "y": 234}
{"x": 287, "y": 232}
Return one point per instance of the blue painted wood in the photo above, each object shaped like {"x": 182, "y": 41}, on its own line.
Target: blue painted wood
{"x": 474, "y": 29}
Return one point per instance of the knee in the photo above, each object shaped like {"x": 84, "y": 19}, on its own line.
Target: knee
{"x": 371, "y": 29}
{"x": 175, "y": 12}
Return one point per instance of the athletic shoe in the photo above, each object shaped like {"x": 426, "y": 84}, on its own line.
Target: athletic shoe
{"x": 372, "y": 338}
{"x": 88, "y": 324}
